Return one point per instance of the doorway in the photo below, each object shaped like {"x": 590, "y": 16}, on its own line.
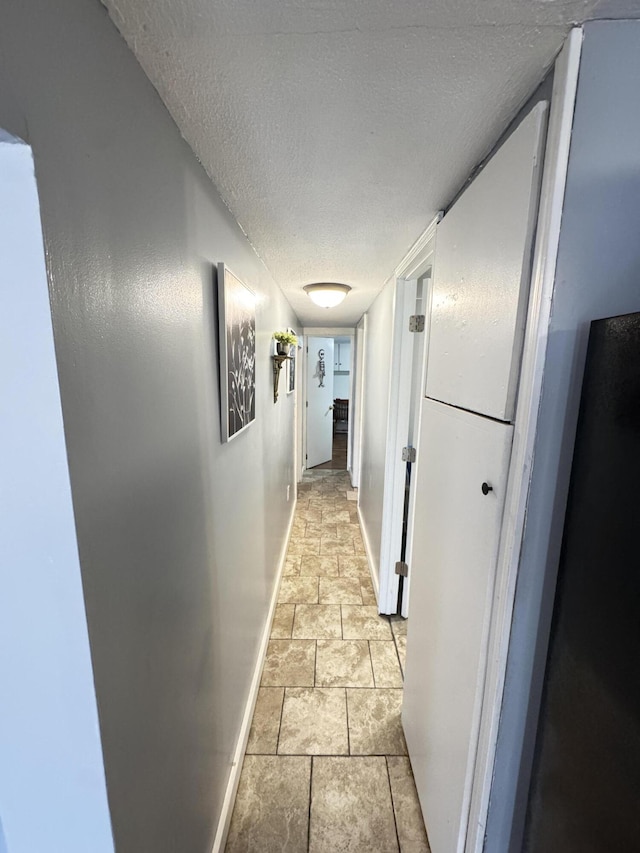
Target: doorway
{"x": 329, "y": 410}
{"x": 49, "y": 739}
{"x": 411, "y": 320}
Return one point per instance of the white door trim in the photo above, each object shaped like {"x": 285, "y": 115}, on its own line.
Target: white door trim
{"x": 419, "y": 390}
{"x": 415, "y": 263}
{"x": 397, "y": 432}
{"x": 417, "y": 260}
{"x": 357, "y": 385}
{"x": 533, "y": 359}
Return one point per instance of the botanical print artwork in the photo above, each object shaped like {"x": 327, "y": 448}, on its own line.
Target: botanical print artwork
{"x": 292, "y": 374}
{"x": 238, "y": 344}
{"x": 291, "y": 384}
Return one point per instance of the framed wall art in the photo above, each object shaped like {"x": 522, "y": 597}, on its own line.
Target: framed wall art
{"x": 291, "y": 365}
{"x": 237, "y": 323}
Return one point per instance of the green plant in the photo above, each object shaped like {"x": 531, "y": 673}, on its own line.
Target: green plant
{"x": 285, "y": 338}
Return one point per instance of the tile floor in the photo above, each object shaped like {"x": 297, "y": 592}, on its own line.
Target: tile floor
{"x": 326, "y": 768}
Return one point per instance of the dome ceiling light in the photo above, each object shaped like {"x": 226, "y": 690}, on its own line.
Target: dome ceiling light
{"x": 327, "y": 294}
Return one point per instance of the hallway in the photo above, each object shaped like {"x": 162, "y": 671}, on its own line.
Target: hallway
{"x": 326, "y": 766}
{"x": 148, "y": 148}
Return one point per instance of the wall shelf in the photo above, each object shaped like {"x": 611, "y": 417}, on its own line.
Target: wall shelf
{"x": 278, "y": 361}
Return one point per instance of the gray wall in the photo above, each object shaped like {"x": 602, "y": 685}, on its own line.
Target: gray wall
{"x": 179, "y": 536}
{"x": 375, "y": 411}
{"x": 597, "y": 275}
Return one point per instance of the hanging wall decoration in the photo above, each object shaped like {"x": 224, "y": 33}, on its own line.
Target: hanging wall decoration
{"x": 321, "y": 370}
{"x": 291, "y": 366}
{"x": 237, "y": 324}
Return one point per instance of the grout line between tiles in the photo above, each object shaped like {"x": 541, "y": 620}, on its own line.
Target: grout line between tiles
{"x": 309, "y": 814}
{"x": 395, "y": 645}
{"x": 373, "y": 669}
{"x": 284, "y": 692}
{"x": 393, "y": 805}
{"x": 346, "y": 705}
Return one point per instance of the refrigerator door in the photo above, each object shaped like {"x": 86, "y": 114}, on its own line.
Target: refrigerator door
{"x": 457, "y": 529}
{"x": 585, "y": 789}
{"x": 481, "y": 279}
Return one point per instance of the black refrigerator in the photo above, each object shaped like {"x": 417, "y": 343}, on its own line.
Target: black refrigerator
{"x": 585, "y": 790}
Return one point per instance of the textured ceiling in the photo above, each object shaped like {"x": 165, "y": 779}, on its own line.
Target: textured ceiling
{"x": 335, "y": 129}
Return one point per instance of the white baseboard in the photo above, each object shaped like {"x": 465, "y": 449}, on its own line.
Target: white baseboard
{"x": 241, "y": 745}
{"x": 368, "y": 552}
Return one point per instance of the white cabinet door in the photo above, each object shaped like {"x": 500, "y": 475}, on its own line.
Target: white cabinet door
{"x": 342, "y": 357}
{"x": 319, "y": 401}
{"x": 481, "y": 279}
{"x": 455, "y": 546}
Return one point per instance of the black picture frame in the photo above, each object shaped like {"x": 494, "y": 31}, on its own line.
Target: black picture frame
{"x": 237, "y": 336}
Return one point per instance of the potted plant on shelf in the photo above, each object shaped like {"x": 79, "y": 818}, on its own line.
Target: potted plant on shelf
{"x": 284, "y": 342}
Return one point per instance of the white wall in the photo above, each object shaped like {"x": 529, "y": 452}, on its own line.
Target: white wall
{"x": 176, "y": 592}
{"x": 597, "y": 275}
{"x": 375, "y": 412}
{"x": 52, "y": 785}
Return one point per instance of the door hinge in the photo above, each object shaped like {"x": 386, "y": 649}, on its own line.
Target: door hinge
{"x": 307, "y": 404}
{"x": 416, "y": 323}
{"x": 402, "y": 569}
{"x": 408, "y": 454}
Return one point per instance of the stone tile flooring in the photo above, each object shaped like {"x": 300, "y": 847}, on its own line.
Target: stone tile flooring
{"x": 326, "y": 768}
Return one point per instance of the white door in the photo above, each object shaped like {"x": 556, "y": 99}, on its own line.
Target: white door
{"x": 481, "y": 281}
{"x": 319, "y": 401}
{"x": 456, "y": 534}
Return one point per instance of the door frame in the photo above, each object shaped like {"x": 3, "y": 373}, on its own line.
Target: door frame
{"x": 322, "y": 332}
{"x": 545, "y": 253}
{"x": 43, "y": 615}
{"x": 425, "y": 272}
{"x": 555, "y": 165}
{"x": 413, "y": 266}
{"x": 357, "y": 390}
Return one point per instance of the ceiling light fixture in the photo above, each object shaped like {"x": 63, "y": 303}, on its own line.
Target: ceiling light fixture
{"x": 327, "y": 294}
